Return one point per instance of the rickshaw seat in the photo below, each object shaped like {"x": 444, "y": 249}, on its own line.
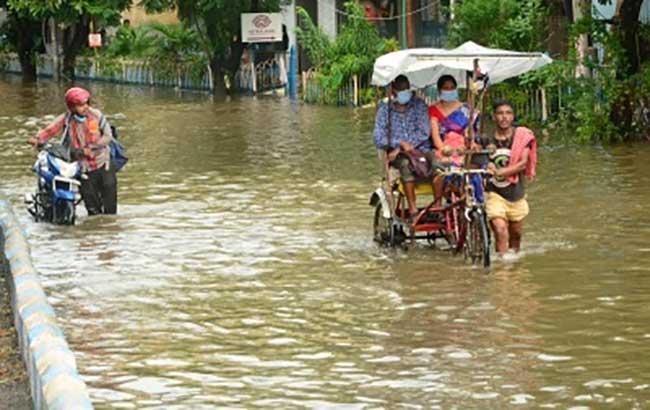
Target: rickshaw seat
{"x": 421, "y": 187}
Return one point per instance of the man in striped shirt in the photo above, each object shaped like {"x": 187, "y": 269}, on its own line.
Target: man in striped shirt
{"x": 88, "y": 135}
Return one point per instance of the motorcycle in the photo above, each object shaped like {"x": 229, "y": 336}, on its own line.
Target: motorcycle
{"x": 57, "y": 192}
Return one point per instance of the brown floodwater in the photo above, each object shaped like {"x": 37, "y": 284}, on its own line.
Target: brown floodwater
{"x": 241, "y": 271}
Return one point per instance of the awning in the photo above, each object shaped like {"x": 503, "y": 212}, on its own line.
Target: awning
{"x": 423, "y": 66}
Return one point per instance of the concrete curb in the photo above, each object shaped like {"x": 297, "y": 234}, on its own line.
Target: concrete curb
{"x": 51, "y": 366}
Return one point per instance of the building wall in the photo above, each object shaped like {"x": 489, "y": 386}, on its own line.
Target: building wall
{"x": 644, "y": 16}
{"x": 137, "y": 16}
{"x": 327, "y": 17}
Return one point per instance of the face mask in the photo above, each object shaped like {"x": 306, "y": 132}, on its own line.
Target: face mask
{"x": 451, "y": 95}
{"x": 80, "y": 118}
{"x": 403, "y": 97}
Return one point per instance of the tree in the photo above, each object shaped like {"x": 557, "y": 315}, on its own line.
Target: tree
{"x": 558, "y": 20}
{"x": 512, "y": 24}
{"x": 354, "y": 51}
{"x": 636, "y": 50}
{"x": 626, "y": 24}
{"x": 218, "y": 24}
{"x": 23, "y": 34}
{"x": 69, "y": 23}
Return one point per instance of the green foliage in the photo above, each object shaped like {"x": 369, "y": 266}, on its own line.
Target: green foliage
{"x": 168, "y": 49}
{"x": 7, "y": 43}
{"x": 352, "y": 53}
{"x": 312, "y": 38}
{"x": 512, "y": 24}
{"x": 69, "y": 11}
{"x": 604, "y": 106}
{"x": 174, "y": 49}
{"x": 217, "y": 24}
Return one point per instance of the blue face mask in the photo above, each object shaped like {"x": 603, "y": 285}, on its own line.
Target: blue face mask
{"x": 449, "y": 95}
{"x": 80, "y": 118}
{"x": 403, "y": 97}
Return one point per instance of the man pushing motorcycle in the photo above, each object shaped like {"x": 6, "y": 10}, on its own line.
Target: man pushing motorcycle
{"x": 88, "y": 134}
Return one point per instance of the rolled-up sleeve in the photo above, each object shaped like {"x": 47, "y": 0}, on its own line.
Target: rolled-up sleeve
{"x": 380, "y": 134}
{"x": 52, "y": 130}
{"x": 422, "y": 122}
{"x": 106, "y": 132}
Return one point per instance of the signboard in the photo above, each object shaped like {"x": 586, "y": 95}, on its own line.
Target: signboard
{"x": 261, "y": 27}
{"x": 94, "y": 40}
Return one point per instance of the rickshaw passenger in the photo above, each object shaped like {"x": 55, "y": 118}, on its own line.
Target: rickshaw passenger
{"x": 450, "y": 118}
{"x": 402, "y": 126}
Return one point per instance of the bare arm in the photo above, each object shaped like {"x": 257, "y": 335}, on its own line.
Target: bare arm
{"x": 435, "y": 133}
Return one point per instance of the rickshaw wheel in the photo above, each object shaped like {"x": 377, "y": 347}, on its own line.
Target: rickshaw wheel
{"x": 385, "y": 232}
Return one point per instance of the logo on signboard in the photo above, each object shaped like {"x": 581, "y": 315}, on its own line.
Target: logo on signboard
{"x": 262, "y": 21}
{"x": 261, "y": 27}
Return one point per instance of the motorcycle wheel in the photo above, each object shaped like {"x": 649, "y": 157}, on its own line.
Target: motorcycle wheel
{"x": 64, "y": 213}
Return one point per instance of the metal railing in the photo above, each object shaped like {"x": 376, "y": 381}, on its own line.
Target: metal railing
{"x": 270, "y": 75}
{"x": 349, "y": 93}
{"x": 120, "y": 71}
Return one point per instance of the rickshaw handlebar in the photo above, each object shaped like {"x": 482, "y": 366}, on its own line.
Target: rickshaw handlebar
{"x": 463, "y": 171}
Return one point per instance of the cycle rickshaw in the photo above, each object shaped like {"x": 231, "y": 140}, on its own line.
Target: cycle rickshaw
{"x": 461, "y": 220}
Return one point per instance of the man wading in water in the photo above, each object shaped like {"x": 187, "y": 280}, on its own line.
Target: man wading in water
{"x": 514, "y": 156}
{"x": 89, "y": 135}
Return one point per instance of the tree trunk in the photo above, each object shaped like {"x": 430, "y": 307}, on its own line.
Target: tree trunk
{"x": 226, "y": 63}
{"x": 52, "y": 44}
{"x": 218, "y": 76}
{"x": 75, "y": 38}
{"x": 27, "y": 33}
{"x": 27, "y": 66}
{"x": 627, "y": 27}
{"x": 233, "y": 64}
{"x": 558, "y": 32}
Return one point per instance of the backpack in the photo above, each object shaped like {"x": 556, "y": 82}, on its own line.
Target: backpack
{"x": 117, "y": 150}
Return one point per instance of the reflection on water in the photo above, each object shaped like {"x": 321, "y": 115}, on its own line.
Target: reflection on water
{"x": 240, "y": 271}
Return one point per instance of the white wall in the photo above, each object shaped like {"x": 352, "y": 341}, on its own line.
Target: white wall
{"x": 327, "y": 17}
{"x": 644, "y": 16}
{"x": 605, "y": 11}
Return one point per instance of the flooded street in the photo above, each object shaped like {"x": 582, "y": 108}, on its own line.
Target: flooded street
{"x": 240, "y": 271}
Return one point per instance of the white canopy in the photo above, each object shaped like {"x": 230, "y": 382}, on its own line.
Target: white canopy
{"x": 423, "y": 66}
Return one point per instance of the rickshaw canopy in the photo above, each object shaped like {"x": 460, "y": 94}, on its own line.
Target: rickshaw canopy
{"x": 423, "y": 66}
